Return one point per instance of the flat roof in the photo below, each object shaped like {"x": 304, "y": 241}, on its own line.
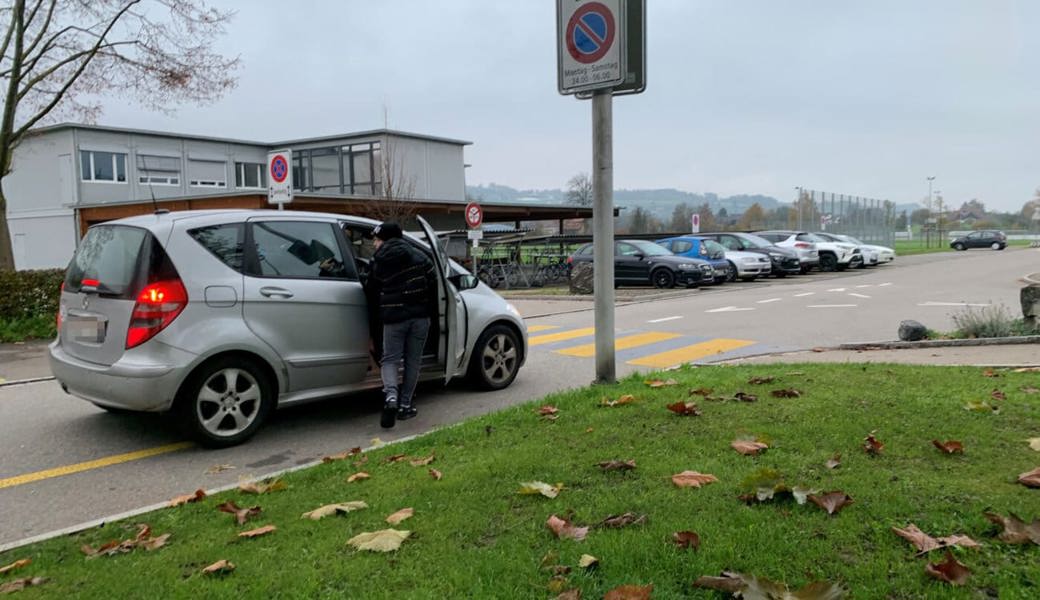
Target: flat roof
{"x": 226, "y": 140}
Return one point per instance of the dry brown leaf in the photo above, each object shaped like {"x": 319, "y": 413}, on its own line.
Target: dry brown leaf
{"x": 750, "y": 587}
{"x": 1015, "y": 530}
{"x": 1029, "y": 389}
{"x": 748, "y": 447}
{"x": 395, "y": 458}
{"x": 185, "y": 499}
{"x": 1030, "y": 478}
{"x": 262, "y": 487}
{"x": 832, "y": 502}
{"x": 219, "y": 469}
{"x": 685, "y": 409}
{"x": 745, "y": 397}
{"x": 241, "y": 514}
{"x": 920, "y": 540}
{"x": 423, "y": 461}
{"x": 949, "y": 446}
{"x": 564, "y": 529}
{"x": 221, "y": 567}
{"x": 623, "y": 400}
{"x": 687, "y": 540}
{"x": 701, "y": 391}
{"x": 143, "y": 539}
{"x": 622, "y": 520}
{"x": 872, "y": 445}
{"x": 17, "y": 585}
{"x": 949, "y": 570}
{"x": 998, "y": 395}
{"x": 359, "y": 476}
{"x": 401, "y": 515}
{"x": 259, "y": 531}
{"x": 658, "y": 383}
{"x": 547, "y": 410}
{"x": 617, "y": 465}
{"x": 340, "y": 508}
{"x": 342, "y": 455}
{"x": 788, "y": 393}
{"x": 587, "y": 561}
{"x": 756, "y": 380}
{"x": 1027, "y": 369}
{"x": 834, "y": 462}
{"x": 18, "y": 564}
{"x": 692, "y": 479}
{"x": 540, "y": 487}
{"x": 574, "y": 594}
{"x": 436, "y": 474}
{"x": 153, "y": 543}
{"x": 384, "y": 540}
{"x": 990, "y": 373}
{"x": 732, "y": 583}
{"x": 630, "y": 592}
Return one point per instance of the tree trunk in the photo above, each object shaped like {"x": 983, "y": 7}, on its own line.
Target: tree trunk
{"x": 6, "y": 253}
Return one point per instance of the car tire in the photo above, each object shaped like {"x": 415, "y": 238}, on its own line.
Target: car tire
{"x": 731, "y": 272}
{"x": 663, "y": 278}
{"x": 958, "y": 246}
{"x": 828, "y": 262}
{"x": 496, "y": 358}
{"x": 996, "y": 246}
{"x": 245, "y": 401}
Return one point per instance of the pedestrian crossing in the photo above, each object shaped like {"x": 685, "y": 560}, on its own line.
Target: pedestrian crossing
{"x": 653, "y": 349}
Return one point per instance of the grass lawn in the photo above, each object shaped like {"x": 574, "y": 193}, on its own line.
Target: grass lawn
{"x": 474, "y": 536}
{"x": 909, "y": 247}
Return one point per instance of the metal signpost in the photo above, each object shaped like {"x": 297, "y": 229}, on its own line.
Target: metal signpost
{"x": 600, "y": 51}
{"x": 474, "y": 218}
{"x": 279, "y": 178}
{"x": 695, "y": 223}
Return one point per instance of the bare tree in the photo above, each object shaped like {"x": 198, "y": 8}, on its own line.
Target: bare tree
{"x": 58, "y": 58}
{"x": 579, "y": 190}
{"x": 397, "y": 192}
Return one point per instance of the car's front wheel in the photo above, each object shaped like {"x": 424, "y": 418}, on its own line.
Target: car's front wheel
{"x": 731, "y": 272}
{"x": 496, "y": 358}
{"x": 828, "y": 262}
{"x": 225, "y": 402}
{"x": 996, "y": 246}
{"x": 958, "y": 246}
{"x": 663, "y": 278}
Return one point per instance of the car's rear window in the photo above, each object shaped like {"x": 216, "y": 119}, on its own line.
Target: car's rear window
{"x": 107, "y": 258}
{"x": 226, "y": 242}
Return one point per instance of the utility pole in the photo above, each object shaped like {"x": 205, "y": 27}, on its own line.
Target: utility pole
{"x": 603, "y": 231}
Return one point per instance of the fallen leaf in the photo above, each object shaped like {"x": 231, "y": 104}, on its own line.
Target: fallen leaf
{"x": 360, "y": 475}
{"x": 872, "y": 445}
{"x": 560, "y": 569}
{"x": 687, "y": 540}
{"x": 630, "y": 592}
{"x": 834, "y": 462}
{"x": 732, "y": 583}
{"x": 832, "y": 502}
{"x": 18, "y": 564}
{"x": 574, "y": 594}
{"x": 107, "y": 548}
{"x": 1029, "y": 389}
{"x": 587, "y": 561}
{"x": 1015, "y": 530}
{"x": 540, "y": 487}
{"x": 401, "y": 515}
{"x": 998, "y": 395}
{"x": 341, "y": 508}
{"x": 376, "y": 442}
{"x": 745, "y": 397}
{"x": 949, "y": 446}
{"x": 185, "y": 499}
{"x": 1030, "y": 478}
{"x": 551, "y": 558}
{"x": 818, "y": 349}
{"x": 920, "y": 540}
{"x": 395, "y": 458}
{"x": 548, "y": 410}
{"x": 686, "y": 409}
{"x": 219, "y": 469}
{"x": 617, "y": 465}
{"x": 422, "y": 462}
{"x": 360, "y": 461}
{"x": 1027, "y": 369}
{"x": 801, "y": 494}
{"x": 1034, "y": 443}
{"x": 748, "y": 447}
{"x": 564, "y": 529}
{"x": 436, "y": 474}
{"x": 756, "y": 380}
{"x": 342, "y": 455}
{"x": 558, "y": 583}
{"x": 241, "y": 514}
{"x": 143, "y": 539}
{"x": 626, "y": 399}
{"x": 981, "y": 406}
{"x": 750, "y": 587}
{"x": 657, "y": 383}
{"x": 990, "y": 373}
{"x": 221, "y": 567}
{"x": 259, "y": 531}
{"x": 153, "y": 543}
{"x": 789, "y": 393}
{"x": 949, "y": 570}
{"x": 17, "y": 585}
{"x": 622, "y": 520}
{"x": 385, "y": 540}
{"x": 701, "y": 392}
{"x": 692, "y": 479}
{"x": 262, "y": 487}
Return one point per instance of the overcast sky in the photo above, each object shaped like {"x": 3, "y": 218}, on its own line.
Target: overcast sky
{"x": 863, "y": 98}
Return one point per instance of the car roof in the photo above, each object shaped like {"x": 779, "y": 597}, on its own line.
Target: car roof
{"x": 161, "y": 218}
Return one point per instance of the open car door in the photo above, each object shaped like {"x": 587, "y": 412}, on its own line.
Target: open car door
{"x": 450, "y": 306}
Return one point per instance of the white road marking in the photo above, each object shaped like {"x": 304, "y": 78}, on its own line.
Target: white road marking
{"x": 836, "y": 290}
{"x": 858, "y": 295}
{"x": 863, "y": 286}
{"x": 727, "y": 309}
{"x": 831, "y": 306}
{"x": 930, "y": 303}
{"x": 802, "y": 295}
{"x": 883, "y": 284}
{"x": 769, "y": 300}
{"x": 664, "y": 319}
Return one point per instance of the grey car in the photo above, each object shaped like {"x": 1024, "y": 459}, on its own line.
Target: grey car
{"x": 220, "y": 316}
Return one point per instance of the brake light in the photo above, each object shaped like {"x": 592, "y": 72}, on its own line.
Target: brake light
{"x": 803, "y": 245}
{"x": 570, "y": 260}
{"x": 89, "y": 282}
{"x": 157, "y": 306}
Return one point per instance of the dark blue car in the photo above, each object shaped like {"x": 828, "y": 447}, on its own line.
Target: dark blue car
{"x": 707, "y": 250}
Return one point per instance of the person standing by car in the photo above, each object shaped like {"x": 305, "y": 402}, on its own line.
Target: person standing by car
{"x": 403, "y": 286}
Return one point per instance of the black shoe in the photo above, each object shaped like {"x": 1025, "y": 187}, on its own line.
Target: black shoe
{"x": 389, "y": 416}
{"x": 406, "y": 412}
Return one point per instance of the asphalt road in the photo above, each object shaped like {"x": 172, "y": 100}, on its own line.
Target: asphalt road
{"x": 64, "y": 462}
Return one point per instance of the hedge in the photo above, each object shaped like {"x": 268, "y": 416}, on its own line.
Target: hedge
{"x": 25, "y": 294}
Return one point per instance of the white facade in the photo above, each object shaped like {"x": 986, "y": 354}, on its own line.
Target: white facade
{"x": 57, "y": 169}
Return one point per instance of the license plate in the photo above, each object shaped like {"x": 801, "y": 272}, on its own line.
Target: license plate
{"x": 86, "y": 330}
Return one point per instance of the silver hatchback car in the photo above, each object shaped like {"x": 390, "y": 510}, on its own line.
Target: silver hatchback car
{"x": 220, "y": 316}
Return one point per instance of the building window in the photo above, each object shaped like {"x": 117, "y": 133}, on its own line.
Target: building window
{"x": 102, "y": 166}
{"x": 158, "y": 170}
{"x": 207, "y": 173}
{"x": 250, "y": 175}
{"x": 353, "y": 169}
{"x": 362, "y": 168}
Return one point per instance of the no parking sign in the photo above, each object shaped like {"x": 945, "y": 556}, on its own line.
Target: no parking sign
{"x": 590, "y": 44}
{"x": 279, "y": 177}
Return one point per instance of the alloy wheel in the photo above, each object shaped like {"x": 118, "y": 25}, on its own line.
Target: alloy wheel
{"x": 499, "y": 360}
{"x": 228, "y": 402}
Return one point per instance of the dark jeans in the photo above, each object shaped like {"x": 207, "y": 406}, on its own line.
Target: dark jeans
{"x": 402, "y": 341}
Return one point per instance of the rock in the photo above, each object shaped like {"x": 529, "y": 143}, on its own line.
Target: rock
{"x": 581, "y": 278}
{"x": 1030, "y": 298}
{"x": 911, "y": 331}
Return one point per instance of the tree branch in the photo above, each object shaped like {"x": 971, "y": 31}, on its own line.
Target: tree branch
{"x": 43, "y": 30}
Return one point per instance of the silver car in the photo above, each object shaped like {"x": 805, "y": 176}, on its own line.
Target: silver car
{"x": 220, "y": 316}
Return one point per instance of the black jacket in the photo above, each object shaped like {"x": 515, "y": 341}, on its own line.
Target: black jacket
{"x": 403, "y": 282}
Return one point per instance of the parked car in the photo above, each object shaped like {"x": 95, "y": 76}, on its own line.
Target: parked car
{"x": 873, "y": 254}
{"x": 987, "y": 238}
{"x": 221, "y": 316}
{"x": 731, "y": 263}
{"x": 784, "y": 260}
{"x": 639, "y": 262}
{"x": 800, "y": 242}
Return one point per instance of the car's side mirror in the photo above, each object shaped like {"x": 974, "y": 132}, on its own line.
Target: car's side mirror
{"x": 639, "y": 255}
{"x": 717, "y": 255}
{"x": 464, "y": 281}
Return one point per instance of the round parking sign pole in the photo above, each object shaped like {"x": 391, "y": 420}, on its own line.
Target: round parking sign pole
{"x": 603, "y": 232}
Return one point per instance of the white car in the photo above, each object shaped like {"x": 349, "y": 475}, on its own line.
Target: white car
{"x": 881, "y": 254}
{"x": 748, "y": 265}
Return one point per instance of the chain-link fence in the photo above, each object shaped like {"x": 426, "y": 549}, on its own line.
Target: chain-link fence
{"x": 869, "y": 219}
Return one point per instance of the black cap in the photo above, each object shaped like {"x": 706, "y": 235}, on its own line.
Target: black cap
{"x": 387, "y": 231}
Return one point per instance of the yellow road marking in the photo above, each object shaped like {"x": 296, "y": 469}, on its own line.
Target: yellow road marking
{"x": 559, "y": 337}
{"x": 689, "y": 353}
{"x": 92, "y": 464}
{"x": 536, "y": 328}
{"x": 622, "y": 343}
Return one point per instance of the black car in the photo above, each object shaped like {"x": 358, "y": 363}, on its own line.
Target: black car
{"x": 987, "y": 238}
{"x": 638, "y": 262}
{"x": 785, "y": 262}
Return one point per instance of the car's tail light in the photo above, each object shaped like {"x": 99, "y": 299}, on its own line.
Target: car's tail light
{"x": 157, "y": 306}
{"x": 570, "y": 260}
{"x": 803, "y": 245}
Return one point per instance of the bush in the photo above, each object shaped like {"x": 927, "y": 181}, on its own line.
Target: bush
{"x": 28, "y": 328}
{"x": 26, "y": 294}
{"x": 989, "y": 322}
